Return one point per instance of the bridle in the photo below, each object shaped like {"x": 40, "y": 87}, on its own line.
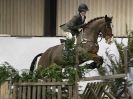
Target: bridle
{"x": 105, "y": 32}
{"x": 106, "y": 27}
{"x": 84, "y": 40}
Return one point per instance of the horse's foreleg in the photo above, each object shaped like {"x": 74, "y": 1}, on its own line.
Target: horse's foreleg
{"x": 98, "y": 61}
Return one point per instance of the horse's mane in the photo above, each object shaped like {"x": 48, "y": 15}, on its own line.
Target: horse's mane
{"x": 92, "y": 20}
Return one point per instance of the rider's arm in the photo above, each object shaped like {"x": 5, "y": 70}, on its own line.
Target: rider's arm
{"x": 79, "y": 26}
{"x": 72, "y": 23}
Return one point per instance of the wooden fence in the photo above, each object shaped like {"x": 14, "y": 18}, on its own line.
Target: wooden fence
{"x": 4, "y": 90}
{"x": 60, "y": 90}
{"x": 96, "y": 90}
{"x": 42, "y": 90}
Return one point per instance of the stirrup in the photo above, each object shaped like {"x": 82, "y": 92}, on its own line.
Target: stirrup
{"x": 62, "y": 40}
{"x": 84, "y": 40}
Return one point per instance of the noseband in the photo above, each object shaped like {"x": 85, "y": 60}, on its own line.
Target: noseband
{"x": 84, "y": 40}
{"x": 107, "y": 26}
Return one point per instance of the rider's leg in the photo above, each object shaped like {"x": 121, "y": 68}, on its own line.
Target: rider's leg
{"x": 75, "y": 39}
{"x": 75, "y": 34}
{"x": 69, "y": 35}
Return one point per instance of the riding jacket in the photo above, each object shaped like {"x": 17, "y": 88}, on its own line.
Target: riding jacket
{"x": 74, "y": 24}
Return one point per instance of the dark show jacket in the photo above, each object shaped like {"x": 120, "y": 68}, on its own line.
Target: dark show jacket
{"x": 74, "y": 24}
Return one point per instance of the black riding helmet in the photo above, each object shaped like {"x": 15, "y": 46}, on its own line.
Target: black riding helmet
{"x": 83, "y": 7}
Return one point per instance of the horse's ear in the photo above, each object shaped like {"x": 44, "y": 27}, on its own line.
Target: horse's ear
{"x": 106, "y": 16}
{"x": 111, "y": 17}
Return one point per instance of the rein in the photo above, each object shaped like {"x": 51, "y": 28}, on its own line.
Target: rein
{"x": 84, "y": 40}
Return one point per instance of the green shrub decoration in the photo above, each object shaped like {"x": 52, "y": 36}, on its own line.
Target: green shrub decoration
{"x": 52, "y": 72}
{"x": 8, "y": 72}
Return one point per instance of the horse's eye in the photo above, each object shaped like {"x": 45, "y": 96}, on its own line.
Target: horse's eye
{"x": 112, "y": 25}
{"x": 107, "y": 26}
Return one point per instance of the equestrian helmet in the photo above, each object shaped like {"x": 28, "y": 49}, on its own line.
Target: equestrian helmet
{"x": 83, "y": 8}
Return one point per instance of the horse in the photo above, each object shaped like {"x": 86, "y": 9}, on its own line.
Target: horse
{"x": 88, "y": 38}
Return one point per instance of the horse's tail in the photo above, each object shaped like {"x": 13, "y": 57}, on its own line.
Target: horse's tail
{"x": 34, "y": 62}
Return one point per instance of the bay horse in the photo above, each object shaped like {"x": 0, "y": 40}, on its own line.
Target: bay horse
{"x": 91, "y": 31}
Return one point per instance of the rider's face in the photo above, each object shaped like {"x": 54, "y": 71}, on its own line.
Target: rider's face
{"x": 83, "y": 13}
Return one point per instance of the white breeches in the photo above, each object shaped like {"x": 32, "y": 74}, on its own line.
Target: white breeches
{"x": 69, "y": 36}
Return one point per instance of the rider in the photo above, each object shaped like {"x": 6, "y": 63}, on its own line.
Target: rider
{"x": 73, "y": 26}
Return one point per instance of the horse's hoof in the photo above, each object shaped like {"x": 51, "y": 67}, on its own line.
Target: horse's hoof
{"x": 98, "y": 65}
{"x": 93, "y": 65}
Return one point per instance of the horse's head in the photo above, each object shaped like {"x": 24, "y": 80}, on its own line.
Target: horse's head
{"x": 106, "y": 29}
{"x": 96, "y": 26}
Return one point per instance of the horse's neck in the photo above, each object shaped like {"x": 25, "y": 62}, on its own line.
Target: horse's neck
{"x": 91, "y": 32}
{"x": 92, "y": 35}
